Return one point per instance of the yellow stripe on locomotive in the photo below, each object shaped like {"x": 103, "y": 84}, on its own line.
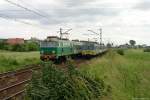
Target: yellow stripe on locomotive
{"x": 88, "y": 52}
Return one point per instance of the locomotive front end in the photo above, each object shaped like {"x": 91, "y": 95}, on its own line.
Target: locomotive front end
{"x": 48, "y": 50}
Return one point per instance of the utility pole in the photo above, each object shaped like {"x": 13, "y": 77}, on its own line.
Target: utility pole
{"x": 100, "y": 35}
{"x": 63, "y": 33}
{"x": 60, "y": 33}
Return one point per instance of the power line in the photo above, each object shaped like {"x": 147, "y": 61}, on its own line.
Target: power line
{"x": 35, "y": 9}
{"x": 17, "y": 20}
{"x": 25, "y": 8}
{"x": 21, "y": 21}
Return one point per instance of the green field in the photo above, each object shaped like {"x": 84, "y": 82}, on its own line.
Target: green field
{"x": 128, "y": 75}
{"x": 17, "y": 60}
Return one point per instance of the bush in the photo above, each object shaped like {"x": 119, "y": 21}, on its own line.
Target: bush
{"x": 32, "y": 46}
{"x": 147, "y": 50}
{"x": 7, "y": 47}
{"x": 2, "y": 44}
{"x": 120, "y": 51}
{"x": 18, "y": 47}
{"x": 55, "y": 84}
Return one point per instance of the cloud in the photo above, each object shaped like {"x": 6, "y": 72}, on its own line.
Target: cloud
{"x": 72, "y": 3}
{"x": 59, "y": 15}
{"x": 144, "y": 5}
{"x": 118, "y": 19}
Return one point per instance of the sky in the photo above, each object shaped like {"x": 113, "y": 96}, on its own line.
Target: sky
{"x": 120, "y": 20}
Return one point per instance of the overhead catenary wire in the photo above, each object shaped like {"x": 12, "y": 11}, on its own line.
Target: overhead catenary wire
{"x": 20, "y": 21}
{"x": 17, "y": 20}
{"x": 25, "y": 8}
{"x": 31, "y": 7}
{"x": 29, "y": 10}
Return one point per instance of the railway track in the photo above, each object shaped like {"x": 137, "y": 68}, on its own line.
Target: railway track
{"x": 13, "y": 83}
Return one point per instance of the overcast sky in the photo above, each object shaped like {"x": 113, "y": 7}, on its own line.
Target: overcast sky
{"x": 121, "y": 20}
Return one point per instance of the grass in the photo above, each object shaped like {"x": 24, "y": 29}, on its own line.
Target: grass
{"x": 17, "y": 60}
{"x": 128, "y": 75}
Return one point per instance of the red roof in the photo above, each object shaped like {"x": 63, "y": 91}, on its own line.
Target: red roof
{"x": 14, "y": 41}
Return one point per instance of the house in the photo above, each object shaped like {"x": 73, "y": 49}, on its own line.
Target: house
{"x": 13, "y": 41}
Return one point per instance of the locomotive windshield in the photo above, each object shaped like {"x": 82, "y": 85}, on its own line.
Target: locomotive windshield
{"x": 49, "y": 44}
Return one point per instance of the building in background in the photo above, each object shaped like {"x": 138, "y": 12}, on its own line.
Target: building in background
{"x": 33, "y": 39}
{"x": 14, "y": 41}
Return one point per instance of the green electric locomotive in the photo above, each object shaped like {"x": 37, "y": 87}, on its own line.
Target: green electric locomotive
{"x": 54, "y": 48}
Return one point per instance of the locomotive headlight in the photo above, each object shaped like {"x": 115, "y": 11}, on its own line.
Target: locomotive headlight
{"x": 53, "y": 51}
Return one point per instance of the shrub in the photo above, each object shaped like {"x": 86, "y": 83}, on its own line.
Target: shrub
{"x": 55, "y": 84}
{"x": 120, "y": 51}
{"x": 2, "y": 44}
{"x": 32, "y": 46}
{"x": 18, "y": 47}
{"x": 147, "y": 50}
{"x": 7, "y": 47}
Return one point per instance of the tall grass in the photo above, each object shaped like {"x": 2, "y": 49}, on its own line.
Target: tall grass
{"x": 15, "y": 60}
{"x": 127, "y": 75}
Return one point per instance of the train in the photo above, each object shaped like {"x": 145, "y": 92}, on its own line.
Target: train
{"x": 54, "y": 48}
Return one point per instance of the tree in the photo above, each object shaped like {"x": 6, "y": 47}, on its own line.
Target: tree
{"x": 132, "y": 42}
{"x": 109, "y": 45}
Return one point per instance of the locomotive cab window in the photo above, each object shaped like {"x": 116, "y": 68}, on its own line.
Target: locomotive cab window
{"x": 49, "y": 44}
